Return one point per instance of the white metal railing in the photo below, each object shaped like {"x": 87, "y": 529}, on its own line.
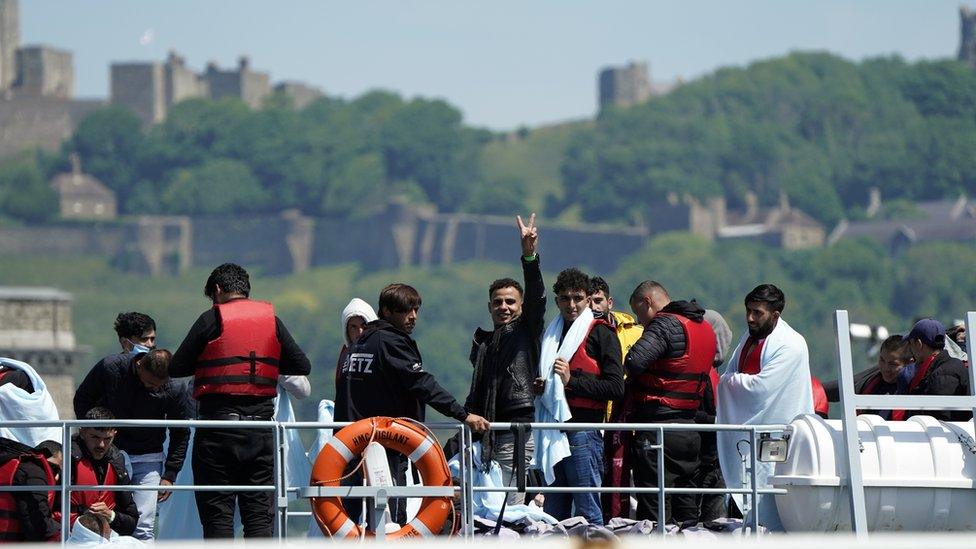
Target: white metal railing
{"x": 282, "y": 489}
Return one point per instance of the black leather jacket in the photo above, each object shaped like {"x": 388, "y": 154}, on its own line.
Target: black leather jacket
{"x": 506, "y": 360}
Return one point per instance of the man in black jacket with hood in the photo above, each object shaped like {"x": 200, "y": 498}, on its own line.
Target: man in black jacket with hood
{"x": 669, "y": 368}
{"x": 136, "y": 385}
{"x": 384, "y": 375}
{"x": 506, "y": 359}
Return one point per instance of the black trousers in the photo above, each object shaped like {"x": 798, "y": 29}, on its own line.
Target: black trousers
{"x": 681, "y": 451}
{"x": 228, "y": 457}
{"x": 709, "y": 475}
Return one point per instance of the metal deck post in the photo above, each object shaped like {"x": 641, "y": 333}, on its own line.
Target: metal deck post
{"x": 970, "y": 324}
{"x": 848, "y": 402}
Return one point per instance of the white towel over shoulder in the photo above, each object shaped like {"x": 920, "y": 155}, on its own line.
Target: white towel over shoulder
{"x": 551, "y": 407}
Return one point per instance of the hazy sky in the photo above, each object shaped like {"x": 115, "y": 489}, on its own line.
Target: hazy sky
{"x": 503, "y": 62}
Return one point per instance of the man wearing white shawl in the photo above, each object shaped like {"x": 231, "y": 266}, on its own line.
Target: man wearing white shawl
{"x": 767, "y": 382}
{"x": 580, "y": 363}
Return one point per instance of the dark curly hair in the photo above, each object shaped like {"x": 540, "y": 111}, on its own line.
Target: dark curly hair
{"x": 133, "y": 324}
{"x": 572, "y": 279}
{"x": 231, "y": 278}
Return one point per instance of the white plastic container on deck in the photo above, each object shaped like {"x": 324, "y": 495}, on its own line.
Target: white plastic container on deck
{"x": 918, "y": 475}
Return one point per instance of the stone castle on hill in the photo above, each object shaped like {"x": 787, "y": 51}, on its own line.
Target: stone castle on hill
{"x": 37, "y": 104}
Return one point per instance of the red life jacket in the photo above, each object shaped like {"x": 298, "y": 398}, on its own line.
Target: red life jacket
{"x": 751, "y": 362}
{"x": 81, "y": 501}
{"x": 10, "y": 527}
{"x": 583, "y": 362}
{"x": 679, "y": 383}
{"x": 820, "y": 403}
{"x": 243, "y": 360}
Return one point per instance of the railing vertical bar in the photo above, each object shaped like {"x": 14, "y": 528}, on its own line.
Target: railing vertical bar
{"x": 848, "y": 402}
{"x": 281, "y": 497}
{"x": 65, "y": 482}
{"x": 970, "y": 325}
{"x": 659, "y": 456}
{"x": 754, "y": 478}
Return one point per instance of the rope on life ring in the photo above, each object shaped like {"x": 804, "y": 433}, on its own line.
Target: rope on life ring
{"x": 405, "y": 436}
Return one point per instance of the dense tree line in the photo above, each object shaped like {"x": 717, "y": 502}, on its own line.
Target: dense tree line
{"x": 815, "y": 126}
{"x": 332, "y": 157}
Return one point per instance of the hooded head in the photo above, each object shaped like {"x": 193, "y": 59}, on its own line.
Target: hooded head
{"x": 356, "y": 308}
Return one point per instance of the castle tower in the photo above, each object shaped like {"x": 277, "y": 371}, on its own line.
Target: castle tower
{"x": 9, "y": 42}
{"x": 967, "y": 35}
{"x": 624, "y": 86}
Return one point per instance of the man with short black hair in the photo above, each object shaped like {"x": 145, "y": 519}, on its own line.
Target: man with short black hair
{"x": 136, "y": 385}
{"x": 669, "y": 369}
{"x": 767, "y": 382}
{"x": 936, "y": 373}
{"x": 236, "y": 352}
{"x": 506, "y": 359}
{"x": 96, "y": 461}
{"x": 384, "y": 375}
{"x": 592, "y": 375}
{"x": 135, "y": 329}
{"x": 29, "y": 516}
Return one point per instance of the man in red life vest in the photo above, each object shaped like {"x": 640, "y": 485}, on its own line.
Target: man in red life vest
{"x": 592, "y": 377}
{"x": 669, "y": 367}
{"x": 236, "y": 351}
{"x": 95, "y": 460}
{"x": 28, "y": 516}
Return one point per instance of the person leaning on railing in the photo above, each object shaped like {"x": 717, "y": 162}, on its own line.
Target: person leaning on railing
{"x": 136, "y": 385}
{"x": 506, "y": 359}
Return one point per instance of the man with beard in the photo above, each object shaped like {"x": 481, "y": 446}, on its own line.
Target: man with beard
{"x": 506, "y": 359}
{"x": 767, "y": 382}
{"x": 669, "y": 368}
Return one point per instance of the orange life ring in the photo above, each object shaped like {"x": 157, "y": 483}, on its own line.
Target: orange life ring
{"x": 403, "y": 436}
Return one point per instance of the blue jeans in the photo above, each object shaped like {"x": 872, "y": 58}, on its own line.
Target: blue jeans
{"x": 583, "y": 468}
{"x": 146, "y": 473}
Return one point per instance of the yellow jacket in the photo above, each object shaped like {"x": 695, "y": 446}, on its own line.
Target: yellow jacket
{"x": 628, "y": 332}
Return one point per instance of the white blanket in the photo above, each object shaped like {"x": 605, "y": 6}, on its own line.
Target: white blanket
{"x": 551, "y": 407}
{"x": 81, "y": 536}
{"x": 178, "y": 517}
{"x": 17, "y": 404}
{"x": 488, "y": 505}
{"x": 777, "y": 394}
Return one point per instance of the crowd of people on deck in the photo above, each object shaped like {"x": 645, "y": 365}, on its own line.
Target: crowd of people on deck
{"x": 592, "y": 365}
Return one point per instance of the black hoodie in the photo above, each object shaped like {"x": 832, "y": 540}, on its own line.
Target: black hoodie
{"x": 383, "y": 375}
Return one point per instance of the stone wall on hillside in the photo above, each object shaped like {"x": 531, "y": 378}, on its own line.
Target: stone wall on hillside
{"x": 290, "y": 242}
{"x": 29, "y": 122}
